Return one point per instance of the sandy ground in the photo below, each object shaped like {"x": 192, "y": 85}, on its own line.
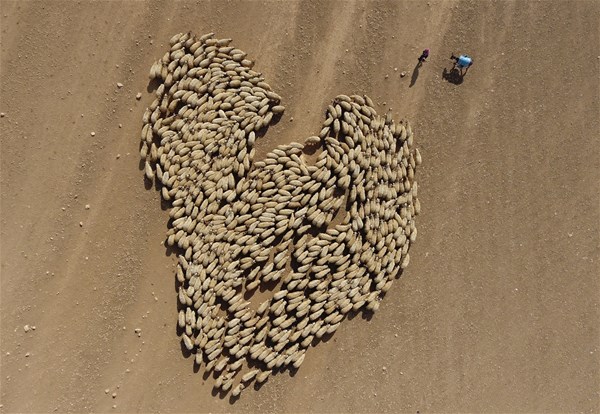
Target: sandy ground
{"x": 499, "y": 309}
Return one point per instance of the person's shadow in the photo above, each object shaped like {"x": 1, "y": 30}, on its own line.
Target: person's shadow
{"x": 453, "y": 75}
{"x": 415, "y": 74}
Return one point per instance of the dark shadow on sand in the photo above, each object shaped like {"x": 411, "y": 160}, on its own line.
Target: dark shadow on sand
{"x": 415, "y": 74}
{"x": 453, "y": 76}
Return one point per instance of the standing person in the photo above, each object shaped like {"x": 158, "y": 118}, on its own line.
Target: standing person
{"x": 424, "y": 55}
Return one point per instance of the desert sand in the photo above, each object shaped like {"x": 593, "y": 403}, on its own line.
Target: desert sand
{"x": 498, "y": 310}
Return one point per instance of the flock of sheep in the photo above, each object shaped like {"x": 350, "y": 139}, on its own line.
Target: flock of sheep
{"x": 326, "y": 224}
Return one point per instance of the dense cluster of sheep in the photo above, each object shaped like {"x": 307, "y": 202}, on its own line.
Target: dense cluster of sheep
{"x": 327, "y": 223}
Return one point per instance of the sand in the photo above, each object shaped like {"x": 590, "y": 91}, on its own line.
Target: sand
{"x": 498, "y": 310}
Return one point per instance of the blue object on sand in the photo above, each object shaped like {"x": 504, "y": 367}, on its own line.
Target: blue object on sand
{"x": 464, "y": 61}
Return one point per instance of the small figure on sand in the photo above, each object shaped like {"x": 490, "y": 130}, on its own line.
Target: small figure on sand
{"x": 415, "y": 73}
{"x": 456, "y": 74}
{"x": 462, "y": 62}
